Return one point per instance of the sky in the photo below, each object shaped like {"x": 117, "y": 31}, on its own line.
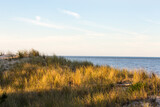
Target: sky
{"x": 81, "y": 27}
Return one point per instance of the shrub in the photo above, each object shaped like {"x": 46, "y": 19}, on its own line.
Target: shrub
{"x": 23, "y": 54}
{"x": 1, "y": 53}
{"x": 33, "y": 52}
{"x": 136, "y": 87}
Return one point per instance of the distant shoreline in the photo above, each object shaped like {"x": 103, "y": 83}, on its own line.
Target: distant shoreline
{"x": 134, "y": 57}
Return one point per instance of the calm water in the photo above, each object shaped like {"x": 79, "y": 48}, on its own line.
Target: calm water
{"x": 151, "y": 64}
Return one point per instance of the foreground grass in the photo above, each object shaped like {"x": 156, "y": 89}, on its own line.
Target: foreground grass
{"x": 56, "y": 82}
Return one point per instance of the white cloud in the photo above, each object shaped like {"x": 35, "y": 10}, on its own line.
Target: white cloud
{"x": 76, "y": 15}
{"x": 55, "y": 26}
{"x": 37, "y": 22}
{"x": 38, "y": 18}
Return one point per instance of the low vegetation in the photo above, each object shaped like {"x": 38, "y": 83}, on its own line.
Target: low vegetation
{"x": 1, "y": 53}
{"x": 43, "y": 81}
{"x": 25, "y": 53}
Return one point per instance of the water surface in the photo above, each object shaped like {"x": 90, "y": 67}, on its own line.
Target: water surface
{"x": 151, "y": 64}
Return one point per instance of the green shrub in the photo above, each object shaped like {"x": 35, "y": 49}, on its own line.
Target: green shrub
{"x": 63, "y": 62}
{"x": 136, "y": 87}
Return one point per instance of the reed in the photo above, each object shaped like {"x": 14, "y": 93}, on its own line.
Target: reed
{"x": 57, "y": 82}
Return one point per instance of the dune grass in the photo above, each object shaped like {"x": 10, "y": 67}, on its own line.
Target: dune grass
{"x": 57, "y": 82}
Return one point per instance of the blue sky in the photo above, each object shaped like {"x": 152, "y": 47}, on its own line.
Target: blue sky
{"x": 84, "y": 27}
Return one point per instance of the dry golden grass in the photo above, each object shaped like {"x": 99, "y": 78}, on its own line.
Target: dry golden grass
{"x": 31, "y": 84}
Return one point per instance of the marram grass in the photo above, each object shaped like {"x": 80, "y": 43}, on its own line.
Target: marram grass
{"x": 57, "y": 82}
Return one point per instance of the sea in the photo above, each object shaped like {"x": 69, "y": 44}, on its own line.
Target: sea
{"x": 150, "y": 64}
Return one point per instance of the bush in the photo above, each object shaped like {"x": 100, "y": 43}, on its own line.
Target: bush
{"x": 136, "y": 87}
{"x": 25, "y": 53}
{"x": 1, "y": 53}
{"x": 34, "y": 52}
